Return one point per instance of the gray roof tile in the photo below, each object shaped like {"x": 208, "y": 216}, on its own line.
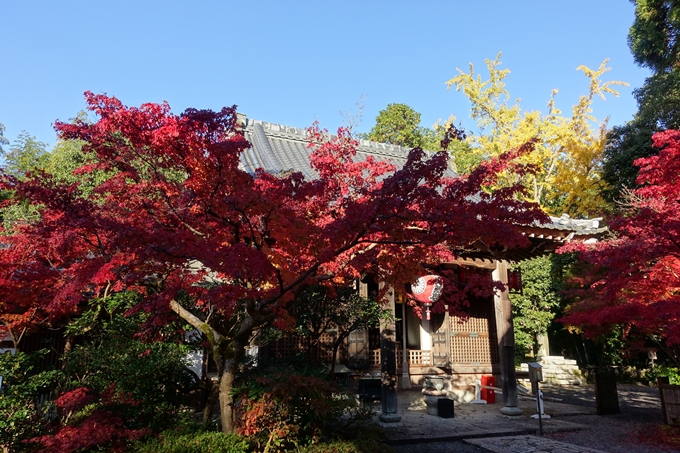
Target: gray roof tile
{"x": 277, "y": 148}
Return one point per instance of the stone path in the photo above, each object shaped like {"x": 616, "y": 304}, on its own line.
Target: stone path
{"x": 482, "y": 428}
{"x": 528, "y": 444}
{"x": 474, "y": 421}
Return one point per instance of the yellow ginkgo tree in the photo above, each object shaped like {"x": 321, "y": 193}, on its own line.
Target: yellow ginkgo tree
{"x": 569, "y": 151}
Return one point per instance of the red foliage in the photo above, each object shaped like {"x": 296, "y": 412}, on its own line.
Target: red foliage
{"x": 101, "y": 428}
{"x": 635, "y": 275}
{"x": 286, "y": 409}
{"x": 104, "y": 426}
{"x": 178, "y": 210}
{"x": 178, "y": 196}
{"x": 74, "y": 400}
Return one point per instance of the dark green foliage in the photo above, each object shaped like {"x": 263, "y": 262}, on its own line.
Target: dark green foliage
{"x": 154, "y": 374}
{"x": 654, "y": 42}
{"x": 317, "y": 311}
{"x": 653, "y": 37}
{"x": 346, "y": 447}
{"x": 534, "y": 309}
{"x": 367, "y": 438}
{"x": 624, "y": 145}
{"x": 658, "y": 110}
{"x": 25, "y": 398}
{"x": 659, "y": 101}
{"x": 173, "y": 441}
{"x": 397, "y": 124}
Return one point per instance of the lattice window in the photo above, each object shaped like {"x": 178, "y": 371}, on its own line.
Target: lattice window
{"x": 290, "y": 345}
{"x": 325, "y": 353}
{"x": 375, "y": 357}
{"x": 473, "y": 350}
{"x": 474, "y": 339}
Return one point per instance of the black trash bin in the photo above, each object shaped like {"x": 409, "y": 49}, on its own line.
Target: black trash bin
{"x": 445, "y": 408}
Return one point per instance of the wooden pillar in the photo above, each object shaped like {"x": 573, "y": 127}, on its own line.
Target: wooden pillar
{"x": 506, "y": 343}
{"x": 405, "y": 371}
{"x": 388, "y": 368}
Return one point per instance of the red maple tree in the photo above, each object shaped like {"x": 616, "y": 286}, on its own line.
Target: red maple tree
{"x": 635, "y": 274}
{"x": 178, "y": 221}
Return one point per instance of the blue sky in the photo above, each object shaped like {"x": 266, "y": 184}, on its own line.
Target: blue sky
{"x": 293, "y": 62}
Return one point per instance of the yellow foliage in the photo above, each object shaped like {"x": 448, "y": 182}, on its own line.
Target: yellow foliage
{"x": 568, "y": 154}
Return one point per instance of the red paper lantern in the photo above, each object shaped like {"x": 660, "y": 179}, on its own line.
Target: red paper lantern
{"x": 427, "y": 290}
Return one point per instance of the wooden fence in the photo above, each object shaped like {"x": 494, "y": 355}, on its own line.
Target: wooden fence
{"x": 670, "y": 401}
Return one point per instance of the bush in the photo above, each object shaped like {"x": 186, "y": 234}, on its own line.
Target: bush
{"x": 197, "y": 442}
{"x": 286, "y": 410}
{"x": 366, "y": 440}
{"x": 25, "y": 399}
{"x": 662, "y": 370}
{"x": 151, "y": 375}
{"x": 118, "y": 388}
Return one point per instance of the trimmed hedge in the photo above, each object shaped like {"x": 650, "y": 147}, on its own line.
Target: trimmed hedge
{"x": 200, "y": 442}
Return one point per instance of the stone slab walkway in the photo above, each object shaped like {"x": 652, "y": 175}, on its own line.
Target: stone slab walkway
{"x": 573, "y": 427}
{"x": 528, "y": 444}
{"x": 475, "y": 421}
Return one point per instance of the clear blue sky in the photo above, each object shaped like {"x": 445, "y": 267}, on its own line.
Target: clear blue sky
{"x": 292, "y": 62}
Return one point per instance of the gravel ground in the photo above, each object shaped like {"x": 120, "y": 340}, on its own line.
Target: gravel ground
{"x": 457, "y": 446}
{"x": 634, "y": 430}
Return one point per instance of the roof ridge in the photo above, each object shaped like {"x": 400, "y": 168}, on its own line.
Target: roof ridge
{"x": 293, "y": 132}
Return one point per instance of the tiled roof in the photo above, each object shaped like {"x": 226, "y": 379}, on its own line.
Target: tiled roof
{"x": 280, "y": 149}
{"x": 578, "y": 226}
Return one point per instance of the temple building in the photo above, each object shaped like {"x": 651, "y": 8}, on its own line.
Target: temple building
{"x": 460, "y": 350}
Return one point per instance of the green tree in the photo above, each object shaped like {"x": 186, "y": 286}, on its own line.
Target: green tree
{"x": 653, "y": 40}
{"x": 534, "y": 309}
{"x": 114, "y": 383}
{"x": 3, "y": 140}
{"x": 624, "y": 145}
{"x": 316, "y": 312}
{"x": 653, "y": 37}
{"x": 397, "y": 124}
{"x": 25, "y": 154}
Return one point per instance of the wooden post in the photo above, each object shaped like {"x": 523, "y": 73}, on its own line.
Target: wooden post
{"x": 388, "y": 368}
{"x": 405, "y": 372}
{"x": 660, "y": 382}
{"x": 506, "y": 343}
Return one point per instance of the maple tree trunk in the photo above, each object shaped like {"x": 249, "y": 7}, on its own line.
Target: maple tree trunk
{"x": 211, "y": 399}
{"x": 226, "y": 398}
